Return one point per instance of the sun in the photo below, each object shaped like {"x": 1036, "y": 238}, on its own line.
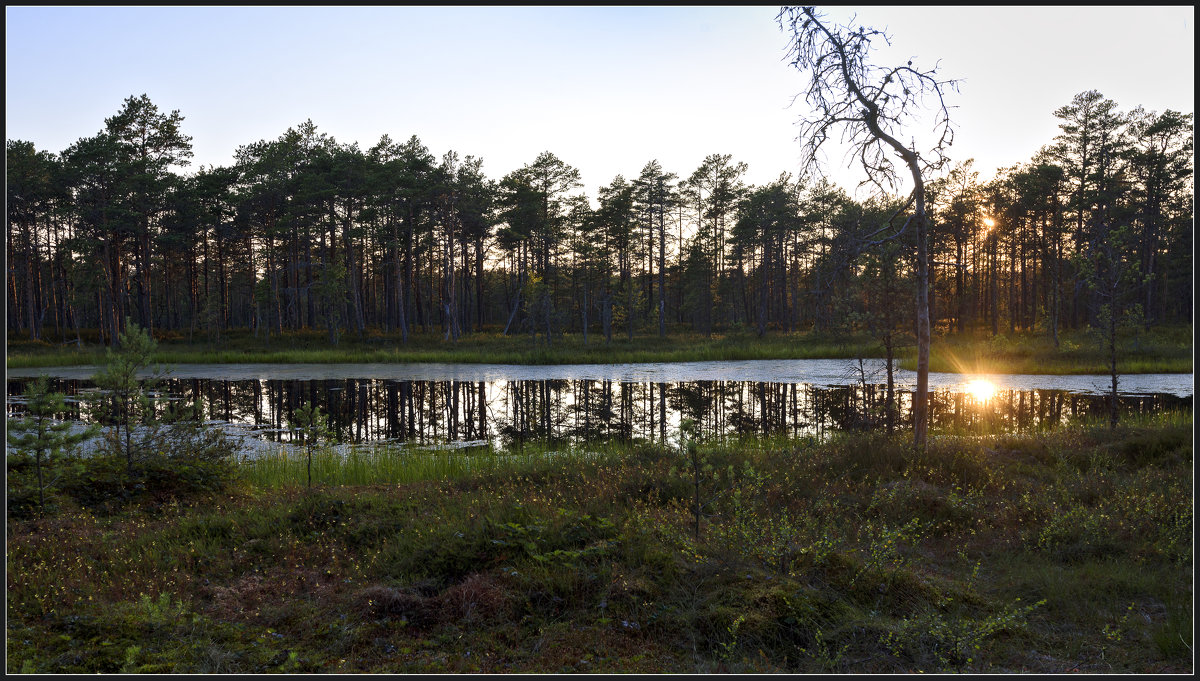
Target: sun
{"x": 981, "y": 389}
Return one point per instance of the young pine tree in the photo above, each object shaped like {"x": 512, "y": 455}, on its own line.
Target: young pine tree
{"x": 311, "y": 426}
{"x": 126, "y": 401}
{"x": 42, "y": 439}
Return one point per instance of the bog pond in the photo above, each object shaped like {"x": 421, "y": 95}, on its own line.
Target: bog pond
{"x": 463, "y": 405}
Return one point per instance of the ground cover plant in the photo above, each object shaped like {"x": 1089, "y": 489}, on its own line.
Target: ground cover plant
{"x": 1164, "y": 349}
{"x": 1042, "y": 552}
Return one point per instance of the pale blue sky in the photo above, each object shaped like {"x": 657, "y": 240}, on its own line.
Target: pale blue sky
{"x": 605, "y": 88}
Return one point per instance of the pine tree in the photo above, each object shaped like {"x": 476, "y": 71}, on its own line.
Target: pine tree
{"x": 126, "y": 399}
{"x": 39, "y": 437}
{"x": 311, "y": 426}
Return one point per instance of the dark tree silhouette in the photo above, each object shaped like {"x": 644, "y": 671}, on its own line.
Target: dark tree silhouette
{"x": 303, "y": 232}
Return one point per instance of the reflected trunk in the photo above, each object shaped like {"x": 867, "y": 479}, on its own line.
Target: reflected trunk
{"x": 566, "y": 412}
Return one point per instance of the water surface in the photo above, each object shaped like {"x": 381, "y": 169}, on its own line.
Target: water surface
{"x": 820, "y": 372}
{"x": 472, "y": 404}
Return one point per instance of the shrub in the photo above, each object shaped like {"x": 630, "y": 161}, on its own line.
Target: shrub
{"x": 194, "y": 460}
{"x": 43, "y": 449}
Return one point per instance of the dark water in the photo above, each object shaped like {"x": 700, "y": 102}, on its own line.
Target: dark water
{"x": 561, "y": 410}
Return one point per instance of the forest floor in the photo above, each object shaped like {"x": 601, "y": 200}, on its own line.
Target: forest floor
{"x": 1062, "y": 551}
{"x": 1161, "y": 350}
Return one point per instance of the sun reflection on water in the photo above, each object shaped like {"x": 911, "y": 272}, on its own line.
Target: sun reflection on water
{"x": 981, "y": 389}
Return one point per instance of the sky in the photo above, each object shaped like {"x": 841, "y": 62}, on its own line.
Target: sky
{"x": 606, "y": 89}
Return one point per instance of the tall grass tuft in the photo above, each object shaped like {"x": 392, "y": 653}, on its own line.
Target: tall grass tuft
{"x": 390, "y": 464}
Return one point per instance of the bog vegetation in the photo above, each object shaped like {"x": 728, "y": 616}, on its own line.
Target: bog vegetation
{"x": 1045, "y": 552}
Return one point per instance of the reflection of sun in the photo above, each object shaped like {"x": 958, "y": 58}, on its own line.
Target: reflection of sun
{"x": 981, "y": 389}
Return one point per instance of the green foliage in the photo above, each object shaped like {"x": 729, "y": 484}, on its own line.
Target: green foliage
{"x": 125, "y": 401}
{"x": 772, "y": 538}
{"x": 1175, "y": 638}
{"x": 143, "y": 455}
{"x": 384, "y": 464}
{"x": 331, "y": 290}
{"x": 941, "y": 641}
{"x": 1164, "y": 349}
{"x": 1144, "y": 447}
{"x": 697, "y": 471}
{"x": 312, "y": 427}
{"x": 884, "y": 555}
{"x": 39, "y": 440}
{"x": 192, "y": 461}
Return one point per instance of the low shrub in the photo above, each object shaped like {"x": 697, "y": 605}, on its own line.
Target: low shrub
{"x": 193, "y": 461}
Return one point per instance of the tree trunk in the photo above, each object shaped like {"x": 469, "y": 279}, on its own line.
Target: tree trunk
{"x": 662, "y": 266}
{"x": 583, "y": 310}
{"x": 30, "y": 279}
{"x": 1112, "y": 358}
{"x": 890, "y": 405}
{"x": 921, "y": 398}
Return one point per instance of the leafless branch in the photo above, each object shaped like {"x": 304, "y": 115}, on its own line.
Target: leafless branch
{"x": 866, "y": 104}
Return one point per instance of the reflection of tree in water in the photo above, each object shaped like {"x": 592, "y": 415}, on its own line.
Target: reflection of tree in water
{"x": 856, "y": 407}
{"x": 599, "y": 412}
{"x": 693, "y": 401}
{"x": 574, "y": 411}
{"x": 737, "y": 410}
{"x": 535, "y": 410}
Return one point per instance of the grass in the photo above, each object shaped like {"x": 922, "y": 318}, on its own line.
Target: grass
{"x": 486, "y": 347}
{"x": 391, "y": 465}
{"x": 1044, "y": 552}
{"x": 1163, "y": 350}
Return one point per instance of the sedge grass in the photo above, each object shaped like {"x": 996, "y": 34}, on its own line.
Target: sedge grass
{"x": 389, "y": 464}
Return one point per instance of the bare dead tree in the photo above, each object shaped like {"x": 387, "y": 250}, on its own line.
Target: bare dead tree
{"x": 869, "y": 105}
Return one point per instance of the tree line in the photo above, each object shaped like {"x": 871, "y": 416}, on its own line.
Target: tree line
{"x": 304, "y": 232}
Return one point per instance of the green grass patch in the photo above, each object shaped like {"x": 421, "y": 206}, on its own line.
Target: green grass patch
{"x": 486, "y": 347}
{"x": 1161, "y": 350}
{"x": 390, "y": 464}
{"x": 1167, "y": 350}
